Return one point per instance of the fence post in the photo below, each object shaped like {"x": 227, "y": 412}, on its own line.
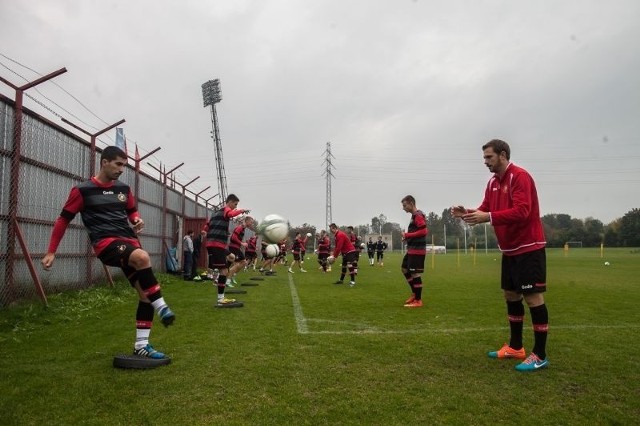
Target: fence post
{"x": 14, "y": 187}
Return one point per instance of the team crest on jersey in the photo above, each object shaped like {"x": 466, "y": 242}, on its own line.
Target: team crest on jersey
{"x": 505, "y": 189}
{"x": 122, "y": 248}
{"x": 122, "y": 197}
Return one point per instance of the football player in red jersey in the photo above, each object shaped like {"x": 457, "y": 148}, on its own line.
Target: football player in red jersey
{"x": 108, "y": 207}
{"x": 511, "y": 205}
{"x": 345, "y": 248}
{"x": 413, "y": 260}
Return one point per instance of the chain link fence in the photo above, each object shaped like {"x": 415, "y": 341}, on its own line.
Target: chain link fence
{"x": 39, "y": 163}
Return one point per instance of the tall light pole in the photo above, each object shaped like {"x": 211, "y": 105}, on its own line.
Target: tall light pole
{"x": 329, "y": 175}
{"x": 211, "y": 95}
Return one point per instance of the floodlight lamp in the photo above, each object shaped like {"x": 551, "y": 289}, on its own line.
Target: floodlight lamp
{"x": 211, "y": 93}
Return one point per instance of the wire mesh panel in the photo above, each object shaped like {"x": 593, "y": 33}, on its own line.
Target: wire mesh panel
{"x": 39, "y": 164}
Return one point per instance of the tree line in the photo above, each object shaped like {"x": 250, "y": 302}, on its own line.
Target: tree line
{"x": 559, "y": 229}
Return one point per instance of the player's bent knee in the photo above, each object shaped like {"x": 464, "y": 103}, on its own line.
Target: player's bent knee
{"x": 139, "y": 259}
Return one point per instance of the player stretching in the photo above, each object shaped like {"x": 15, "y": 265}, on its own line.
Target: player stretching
{"x": 107, "y": 206}
{"x": 250, "y": 252}
{"x": 324, "y": 245}
{"x": 413, "y": 260}
{"x": 296, "y": 247}
{"x": 236, "y": 244}
{"x": 511, "y": 205}
{"x": 348, "y": 251}
{"x": 217, "y": 230}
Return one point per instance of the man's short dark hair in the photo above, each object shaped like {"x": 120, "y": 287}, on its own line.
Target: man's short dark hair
{"x": 111, "y": 153}
{"x": 409, "y": 199}
{"x": 498, "y": 146}
{"x": 232, "y": 197}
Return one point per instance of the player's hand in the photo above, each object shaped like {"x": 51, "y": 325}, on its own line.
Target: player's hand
{"x": 47, "y": 261}
{"x": 138, "y": 225}
{"x": 474, "y": 217}
{"x": 458, "y": 211}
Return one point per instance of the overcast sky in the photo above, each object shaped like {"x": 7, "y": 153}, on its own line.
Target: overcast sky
{"x": 406, "y": 92}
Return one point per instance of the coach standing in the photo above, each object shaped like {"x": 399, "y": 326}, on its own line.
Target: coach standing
{"x": 511, "y": 205}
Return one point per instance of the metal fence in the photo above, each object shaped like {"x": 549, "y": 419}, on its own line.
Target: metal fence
{"x": 39, "y": 163}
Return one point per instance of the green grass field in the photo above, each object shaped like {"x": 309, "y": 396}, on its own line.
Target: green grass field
{"x": 306, "y": 351}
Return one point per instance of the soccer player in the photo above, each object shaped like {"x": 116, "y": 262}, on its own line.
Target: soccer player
{"x": 107, "y": 207}
{"x": 236, "y": 244}
{"x": 295, "y": 249}
{"x": 511, "y": 205}
{"x": 413, "y": 260}
{"x": 217, "y": 230}
{"x": 348, "y": 251}
{"x": 250, "y": 251}
{"x": 324, "y": 246}
{"x": 303, "y": 247}
{"x": 371, "y": 248}
{"x": 381, "y": 246}
{"x": 267, "y": 262}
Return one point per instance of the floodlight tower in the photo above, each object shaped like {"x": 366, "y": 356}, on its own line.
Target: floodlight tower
{"x": 211, "y": 95}
{"x": 329, "y": 175}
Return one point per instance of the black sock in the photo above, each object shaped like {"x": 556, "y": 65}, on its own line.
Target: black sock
{"x": 222, "y": 281}
{"x": 149, "y": 284}
{"x": 417, "y": 287}
{"x": 540, "y": 321}
{"x": 515, "y": 313}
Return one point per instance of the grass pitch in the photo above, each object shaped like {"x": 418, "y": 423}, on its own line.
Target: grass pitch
{"x": 306, "y": 351}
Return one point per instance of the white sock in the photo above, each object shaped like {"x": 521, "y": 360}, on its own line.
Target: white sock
{"x": 158, "y": 304}
{"x": 142, "y": 337}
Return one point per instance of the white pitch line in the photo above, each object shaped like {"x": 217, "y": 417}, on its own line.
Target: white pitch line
{"x": 363, "y": 328}
{"x": 301, "y": 321}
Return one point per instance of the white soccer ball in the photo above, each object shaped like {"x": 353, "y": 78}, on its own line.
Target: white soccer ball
{"x": 309, "y": 234}
{"x": 272, "y": 250}
{"x": 330, "y": 260}
{"x": 606, "y": 264}
{"x": 363, "y": 246}
{"x": 273, "y": 228}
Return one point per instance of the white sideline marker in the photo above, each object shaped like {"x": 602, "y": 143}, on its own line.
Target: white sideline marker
{"x": 302, "y": 324}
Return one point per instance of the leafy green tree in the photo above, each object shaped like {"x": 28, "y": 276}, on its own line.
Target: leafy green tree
{"x": 630, "y": 229}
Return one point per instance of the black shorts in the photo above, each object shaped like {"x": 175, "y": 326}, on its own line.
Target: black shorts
{"x": 351, "y": 257}
{"x": 414, "y": 263}
{"x": 296, "y": 257}
{"x": 525, "y": 273}
{"x": 250, "y": 255}
{"x": 117, "y": 254}
{"x": 322, "y": 256}
{"x": 379, "y": 255}
{"x": 237, "y": 253}
{"x": 217, "y": 257}
{"x": 370, "y": 254}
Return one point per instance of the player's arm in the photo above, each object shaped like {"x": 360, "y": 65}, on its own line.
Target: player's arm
{"x": 236, "y": 212}
{"x": 133, "y": 215}
{"x": 73, "y": 205}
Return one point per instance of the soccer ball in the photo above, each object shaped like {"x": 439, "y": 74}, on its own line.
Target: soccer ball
{"x": 272, "y": 250}
{"x": 363, "y": 246}
{"x": 309, "y": 234}
{"x": 273, "y": 228}
{"x": 330, "y": 260}
{"x": 606, "y": 264}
